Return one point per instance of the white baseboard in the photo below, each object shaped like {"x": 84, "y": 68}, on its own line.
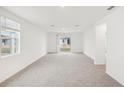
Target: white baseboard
{"x": 122, "y": 83}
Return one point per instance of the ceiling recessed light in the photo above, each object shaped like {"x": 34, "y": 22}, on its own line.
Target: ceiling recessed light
{"x": 63, "y": 29}
{"x": 62, "y": 6}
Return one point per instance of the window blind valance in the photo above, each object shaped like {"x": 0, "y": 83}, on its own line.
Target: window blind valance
{"x": 9, "y": 24}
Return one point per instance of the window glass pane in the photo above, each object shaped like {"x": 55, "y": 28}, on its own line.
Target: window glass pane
{"x": 8, "y": 34}
{"x": 9, "y": 44}
{"x": 6, "y": 47}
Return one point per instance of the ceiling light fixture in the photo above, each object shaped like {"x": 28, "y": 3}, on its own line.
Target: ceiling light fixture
{"x": 63, "y": 29}
{"x": 62, "y": 6}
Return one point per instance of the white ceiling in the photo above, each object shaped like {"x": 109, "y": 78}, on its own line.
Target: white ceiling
{"x": 64, "y": 19}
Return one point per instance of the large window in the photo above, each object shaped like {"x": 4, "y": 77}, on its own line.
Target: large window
{"x": 9, "y": 37}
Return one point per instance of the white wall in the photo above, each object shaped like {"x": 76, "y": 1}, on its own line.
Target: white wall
{"x": 51, "y": 42}
{"x": 94, "y": 43}
{"x": 33, "y": 46}
{"x": 115, "y": 45}
{"x": 89, "y": 42}
{"x": 100, "y": 44}
{"x": 76, "y": 42}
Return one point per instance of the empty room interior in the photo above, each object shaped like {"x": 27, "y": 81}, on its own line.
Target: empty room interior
{"x": 61, "y": 46}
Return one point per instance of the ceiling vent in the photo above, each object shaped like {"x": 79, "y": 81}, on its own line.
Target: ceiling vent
{"x": 111, "y": 7}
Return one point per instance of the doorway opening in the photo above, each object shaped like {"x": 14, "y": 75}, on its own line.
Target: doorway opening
{"x": 64, "y": 42}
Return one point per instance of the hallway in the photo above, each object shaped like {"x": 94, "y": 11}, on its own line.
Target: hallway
{"x": 64, "y": 69}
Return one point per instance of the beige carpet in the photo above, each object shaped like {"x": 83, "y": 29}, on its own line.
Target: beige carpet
{"x": 62, "y": 70}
